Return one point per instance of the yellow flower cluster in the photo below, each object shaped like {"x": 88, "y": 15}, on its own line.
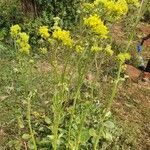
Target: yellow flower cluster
{"x": 63, "y": 36}
{"x": 95, "y": 48}
{"x": 108, "y": 50}
{"x": 21, "y": 39}
{"x": 97, "y": 2}
{"x": 43, "y": 31}
{"x": 79, "y": 49}
{"x": 115, "y": 7}
{"x": 119, "y": 7}
{"x": 23, "y": 42}
{"x": 123, "y": 56}
{"x": 43, "y": 50}
{"x": 96, "y": 25}
{"x": 124, "y": 67}
{"x": 14, "y": 30}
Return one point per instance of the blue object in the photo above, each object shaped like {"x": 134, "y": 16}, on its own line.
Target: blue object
{"x": 139, "y": 48}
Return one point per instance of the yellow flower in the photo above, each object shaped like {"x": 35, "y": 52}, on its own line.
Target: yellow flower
{"x": 108, "y": 50}
{"x": 14, "y": 30}
{"x": 43, "y": 50}
{"x": 43, "y": 31}
{"x": 123, "y": 56}
{"x": 36, "y": 114}
{"x": 119, "y": 7}
{"x": 124, "y": 67}
{"x": 79, "y": 49}
{"x": 22, "y": 42}
{"x": 24, "y": 37}
{"x": 51, "y": 41}
{"x": 25, "y": 49}
{"x": 63, "y": 36}
{"x": 31, "y": 61}
{"x": 97, "y": 2}
{"x": 96, "y": 25}
{"x": 96, "y": 48}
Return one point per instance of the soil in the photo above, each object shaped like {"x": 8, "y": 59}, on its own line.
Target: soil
{"x": 132, "y": 106}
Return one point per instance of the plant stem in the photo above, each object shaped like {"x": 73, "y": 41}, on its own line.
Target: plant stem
{"x": 29, "y": 120}
{"x": 114, "y": 89}
{"x": 73, "y": 110}
{"x": 135, "y": 25}
{"x": 98, "y": 137}
{"x": 80, "y": 131}
{"x": 56, "y": 125}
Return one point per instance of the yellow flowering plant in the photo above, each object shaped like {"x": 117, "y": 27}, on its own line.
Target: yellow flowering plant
{"x": 63, "y": 35}
{"x": 79, "y": 49}
{"x": 108, "y": 50}
{"x": 43, "y": 31}
{"x": 21, "y": 39}
{"x": 122, "y": 57}
{"x": 74, "y": 94}
{"x": 96, "y": 25}
{"x": 96, "y": 48}
{"x": 15, "y": 30}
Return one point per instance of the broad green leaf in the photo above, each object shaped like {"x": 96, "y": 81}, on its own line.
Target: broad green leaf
{"x": 30, "y": 145}
{"x": 20, "y": 123}
{"x": 109, "y": 124}
{"x": 108, "y": 114}
{"x": 18, "y": 145}
{"x": 92, "y": 132}
{"x": 51, "y": 137}
{"x": 85, "y": 136}
{"x": 108, "y": 136}
{"x": 47, "y": 120}
{"x": 26, "y": 136}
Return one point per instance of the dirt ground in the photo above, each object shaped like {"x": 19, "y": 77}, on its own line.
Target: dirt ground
{"x": 132, "y": 106}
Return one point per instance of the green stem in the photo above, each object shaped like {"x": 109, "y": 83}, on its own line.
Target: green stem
{"x": 56, "y": 110}
{"x": 56, "y": 125}
{"x": 80, "y": 81}
{"x": 98, "y": 137}
{"x": 73, "y": 110}
{"x": 79, "y": 133}
{"x": 114, "y": 89}
{"x": 29, "y": 121}
{"x": 135, "y": 25}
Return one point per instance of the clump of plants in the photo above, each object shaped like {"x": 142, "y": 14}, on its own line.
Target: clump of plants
{"x": 79, "y": 115}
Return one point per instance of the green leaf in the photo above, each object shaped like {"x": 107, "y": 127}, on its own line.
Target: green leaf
{"x": 18, "y": 145}
{"x": 26, "y": 136}
{"x": 108, "y": 136}
{"x": 109, "y": 124}
{"x": 47, "y": 120}
{"x": 85, "y": 136}
{"x": 20, "y": 123}
{"x": 51, "y": 137}
{"x": 92, "y": 132}
{"x": 108, "y": 114}
{"x": 30, "y": 145}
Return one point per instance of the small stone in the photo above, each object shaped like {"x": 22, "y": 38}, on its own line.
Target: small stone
{"x": 133, "y": 73}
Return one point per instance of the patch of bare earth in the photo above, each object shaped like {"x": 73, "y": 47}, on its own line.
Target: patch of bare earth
{"x": 133, "y": 109}
{"x": 132, "y": 106}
